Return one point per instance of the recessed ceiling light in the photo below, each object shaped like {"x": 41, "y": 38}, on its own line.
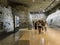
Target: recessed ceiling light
{"x": 43, "y": 10}
{"x": 57, "y": 0}
{"x": 52, "y": 5}
{"x": 33, "y": 0}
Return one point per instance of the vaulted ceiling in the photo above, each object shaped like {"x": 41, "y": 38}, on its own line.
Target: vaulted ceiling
{"x": 36, "y": 5}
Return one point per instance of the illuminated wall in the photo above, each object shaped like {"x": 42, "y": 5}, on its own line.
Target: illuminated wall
{"x": 53, "y": 19}
{"x": 7, "y": 19}
{"x": 40, "y": 16}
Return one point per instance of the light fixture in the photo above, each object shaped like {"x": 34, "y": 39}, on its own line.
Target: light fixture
{"x": 33, "y": 1}
{"x": 43, "y": 10}
{"x": 57, "y": 0}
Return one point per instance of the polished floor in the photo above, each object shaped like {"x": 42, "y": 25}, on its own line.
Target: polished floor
{"x": 32, "y": 37}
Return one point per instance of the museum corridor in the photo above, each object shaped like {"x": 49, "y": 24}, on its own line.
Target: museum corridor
{"x": 22, "y": 20}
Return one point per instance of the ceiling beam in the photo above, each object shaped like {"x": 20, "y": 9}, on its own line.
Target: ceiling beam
{"x": 50, "y": 4}
{"x": 53, "y": 9}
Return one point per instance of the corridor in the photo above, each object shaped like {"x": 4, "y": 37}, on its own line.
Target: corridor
{"x": 20, "y": 21}
{"x": 31, "y": 37}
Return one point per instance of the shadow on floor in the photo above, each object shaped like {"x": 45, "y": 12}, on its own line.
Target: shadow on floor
{"x": 3, "y": 35}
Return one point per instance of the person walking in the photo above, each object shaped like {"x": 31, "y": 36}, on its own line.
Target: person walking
{"x": 36, "y": 25}
{"x": 39, "y": 25}
{"x": 43, "y": 25}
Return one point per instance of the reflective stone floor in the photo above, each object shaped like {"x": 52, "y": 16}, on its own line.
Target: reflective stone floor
{"x": 32, "y": 37}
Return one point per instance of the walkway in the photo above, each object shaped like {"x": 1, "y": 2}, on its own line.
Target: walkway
{"x": 31, "y": 37}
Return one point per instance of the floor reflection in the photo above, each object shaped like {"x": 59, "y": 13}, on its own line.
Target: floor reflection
{"x": 50, "y": 37}
{"x": 34, "y": 37}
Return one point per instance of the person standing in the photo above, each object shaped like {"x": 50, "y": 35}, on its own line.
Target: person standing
{"x": 39, "y": 25}
{"x": 43, "y": 25}
{"x": 36, "y": 25}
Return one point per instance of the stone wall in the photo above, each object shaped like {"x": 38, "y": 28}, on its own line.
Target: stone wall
{"x": 7, "y": 19}
{"x": 23, "y": 16}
